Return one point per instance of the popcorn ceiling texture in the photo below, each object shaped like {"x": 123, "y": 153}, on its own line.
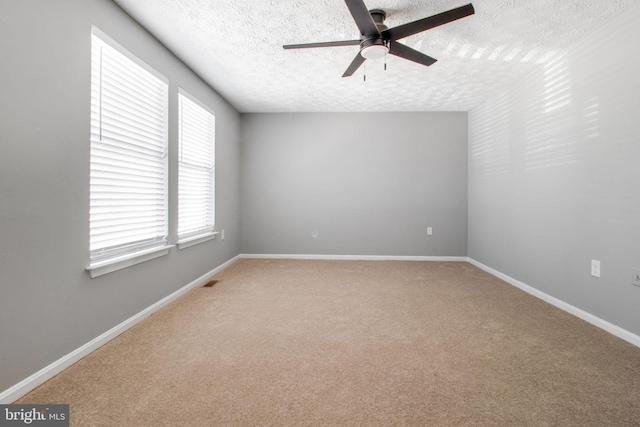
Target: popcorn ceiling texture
{"x": 236, "y": 46}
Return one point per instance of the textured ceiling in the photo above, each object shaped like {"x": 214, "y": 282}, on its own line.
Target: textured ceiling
{"x": 236, "y": 46}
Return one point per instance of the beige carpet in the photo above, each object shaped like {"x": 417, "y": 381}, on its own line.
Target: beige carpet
{"x": 355, "y": 343}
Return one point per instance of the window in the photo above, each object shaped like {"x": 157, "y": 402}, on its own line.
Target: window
{"x": 128, "y": 170}
{"x": 196, "y": 164}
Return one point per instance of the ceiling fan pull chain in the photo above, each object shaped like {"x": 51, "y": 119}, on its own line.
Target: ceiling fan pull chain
{"x": 385, "y": 61}
{"x": 364, "y": 74}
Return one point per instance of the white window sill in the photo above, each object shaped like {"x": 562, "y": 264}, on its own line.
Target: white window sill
{"x": 108, "y": 266}
{"x": 190, "y": 241}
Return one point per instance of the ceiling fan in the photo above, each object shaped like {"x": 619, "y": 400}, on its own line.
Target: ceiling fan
{"x": 376, "y": 39}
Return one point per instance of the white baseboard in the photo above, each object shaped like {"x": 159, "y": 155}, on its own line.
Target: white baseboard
{"x": 355, "y": 257}
{"x": 586, "y": 316}
{"x": 23, "y": 387}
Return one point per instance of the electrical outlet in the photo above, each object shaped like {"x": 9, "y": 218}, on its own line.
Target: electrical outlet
{"x": 635, "y": 276}
{"x": 429, "y": 231}
{"x": 221, "y": 234}
{"x": 595, "y": 268}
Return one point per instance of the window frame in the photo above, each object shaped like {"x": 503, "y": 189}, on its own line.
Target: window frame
{"x": 208, "y": 231}
{"x": 111, "y": 258}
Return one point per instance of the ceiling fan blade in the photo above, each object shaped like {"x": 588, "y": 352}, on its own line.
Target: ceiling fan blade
{"x": 424, "y": 24}
{"x": 363, "y": 18}
{"x": 322, "y": 44}
{"x": 403, "y": 51}
{"x": 355, "y": 64}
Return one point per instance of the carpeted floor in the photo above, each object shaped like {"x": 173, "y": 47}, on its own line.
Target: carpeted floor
{"x": 354, "y": 343}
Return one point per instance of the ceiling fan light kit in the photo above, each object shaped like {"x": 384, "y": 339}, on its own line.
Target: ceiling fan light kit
{"x": 375, "y": 50}
{"x": 376, "y": 39}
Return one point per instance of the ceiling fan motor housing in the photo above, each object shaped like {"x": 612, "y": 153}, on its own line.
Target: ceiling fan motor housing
{"x": 375, "y": 47}
{"x": 379, "y": 16}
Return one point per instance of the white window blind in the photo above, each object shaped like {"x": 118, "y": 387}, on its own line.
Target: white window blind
{"x": 128, "y": 172}
{"x": 196, "y": 163}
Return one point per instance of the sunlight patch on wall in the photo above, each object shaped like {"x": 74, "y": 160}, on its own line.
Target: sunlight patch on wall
{"x": 556, "y": 84}
{"x": 490, "y": 146}
{"x": 550, "y": 138}
{"x": 592, "y": 118}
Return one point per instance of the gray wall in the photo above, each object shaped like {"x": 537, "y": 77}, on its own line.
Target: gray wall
{"x": 554, "y": 175}
{"x": 354, "y": 183}
{"x": 48, "y": 304}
